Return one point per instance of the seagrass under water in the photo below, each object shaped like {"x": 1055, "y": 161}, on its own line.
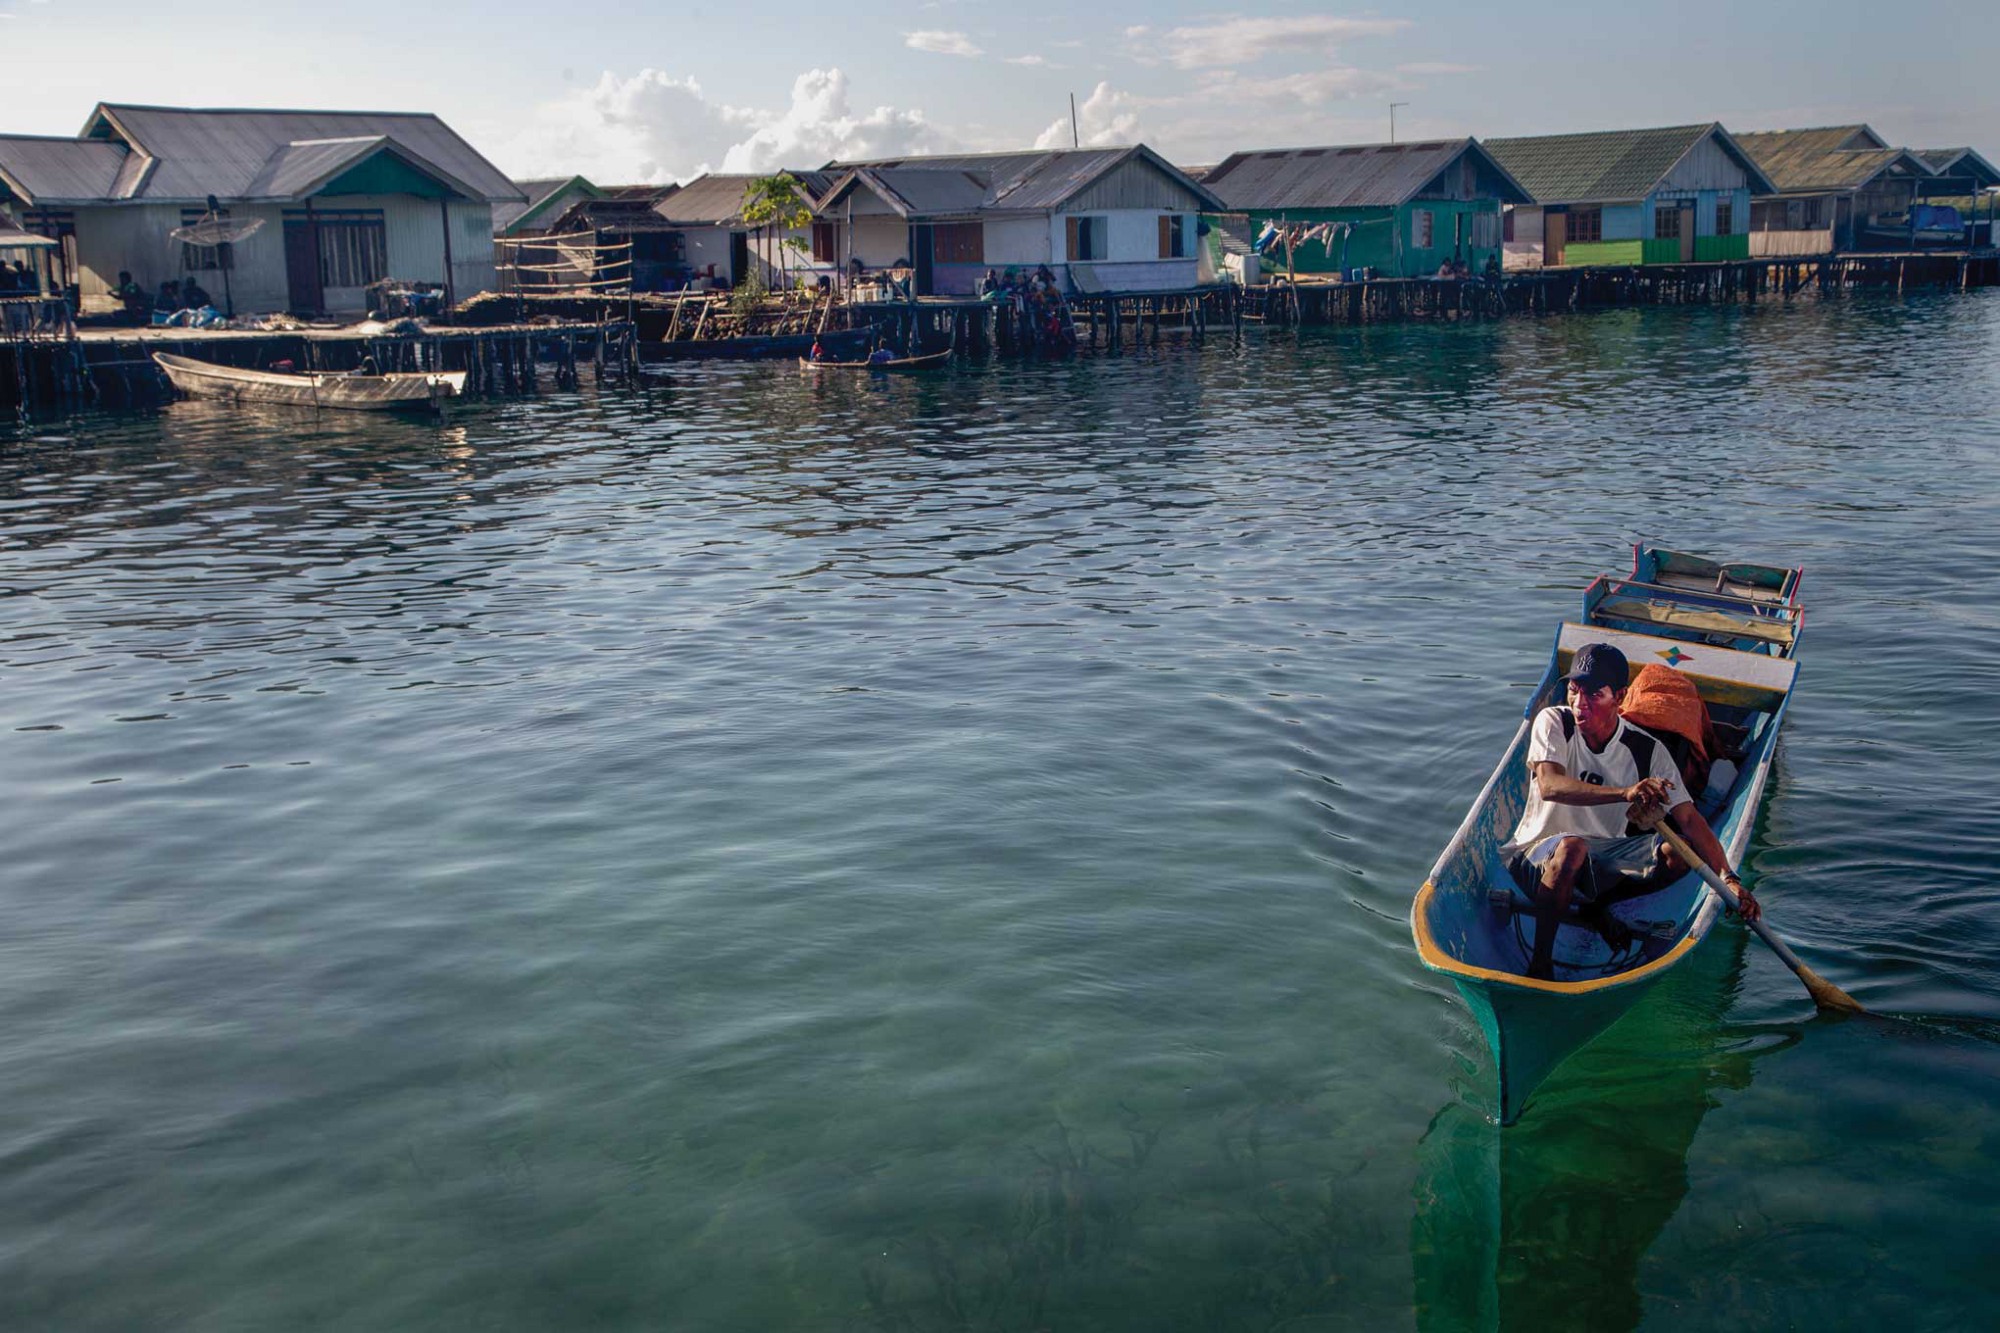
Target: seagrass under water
{"x": 934, "y": 852}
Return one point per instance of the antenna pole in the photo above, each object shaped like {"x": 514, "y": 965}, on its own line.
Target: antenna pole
{"x": 1392, "y": 119}
{"x": 1075, "y": 140}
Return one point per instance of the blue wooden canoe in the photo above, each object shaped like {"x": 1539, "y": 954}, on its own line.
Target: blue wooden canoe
{"x": 1733, "y": 629}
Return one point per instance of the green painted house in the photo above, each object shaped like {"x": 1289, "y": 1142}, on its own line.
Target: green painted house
{"x": 1674, "y": 195}
{"x": 1400, "y": 209}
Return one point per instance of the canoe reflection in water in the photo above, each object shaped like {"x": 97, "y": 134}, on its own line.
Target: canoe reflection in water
{"x": 1543, "y": 1225}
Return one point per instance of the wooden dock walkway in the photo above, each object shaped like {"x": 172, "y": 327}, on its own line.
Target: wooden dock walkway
{"x": 113, "y": 367}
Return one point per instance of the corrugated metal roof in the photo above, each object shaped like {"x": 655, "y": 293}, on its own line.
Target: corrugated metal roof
{"x": 1960, "y": 162}
{"x": 716, "y": 199}
{"x": 1829, "y": 157}
{"x": 1030, "y": 182}
{"x": 221, "y": 152}
{"x": 12, "y": 238}
{"x": 59, "y": 171}
{"x": 538, "y": 193}
{"x": 1603, "y": 164}
{"x": 298, "y": 166}
{"x": 1345, "y": 175}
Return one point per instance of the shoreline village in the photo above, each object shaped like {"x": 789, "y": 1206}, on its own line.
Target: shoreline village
{"x": 371, "y": 243}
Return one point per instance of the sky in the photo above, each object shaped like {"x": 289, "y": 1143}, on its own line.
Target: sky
{"x": 625, "y": 94}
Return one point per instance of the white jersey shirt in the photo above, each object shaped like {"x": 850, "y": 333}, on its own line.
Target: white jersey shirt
{"x": 1557, "y": 738}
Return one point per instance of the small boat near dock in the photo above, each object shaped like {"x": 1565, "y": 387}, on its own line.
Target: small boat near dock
{"x": 929, "y": 361}
{"x": 759, "y": 347}
{"x": 349, "y": 391}
{"x": 1732, "y": 630}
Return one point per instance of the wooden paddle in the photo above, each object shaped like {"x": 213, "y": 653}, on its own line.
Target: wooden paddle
{"x": 1825, "y": 994}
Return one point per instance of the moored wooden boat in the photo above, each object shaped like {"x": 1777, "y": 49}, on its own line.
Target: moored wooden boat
{"x": 353, "y": 392}
{"x": 929, "y": 361}
{"x": 760, "y": 347}
{"x": 1733, "y": 630}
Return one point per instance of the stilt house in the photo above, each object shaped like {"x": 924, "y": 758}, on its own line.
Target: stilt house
{"x": 1402, "y": 210}
{"x": 1835, "y": 188}
{"x": 1101, "y": 219}
{"x": 346, "y": 199}
{"x": 1675, "y": 195}
{"x": 716, "y": 247}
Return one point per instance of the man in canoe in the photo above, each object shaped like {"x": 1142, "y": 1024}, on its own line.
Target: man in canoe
{"x": 882, "y": 355}
{"x": 1586, "y": 765}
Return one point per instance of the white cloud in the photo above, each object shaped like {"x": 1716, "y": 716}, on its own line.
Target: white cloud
{"x": 819, "y": 126}
{"x": 941, "y": 43}
{"x": 1106, "y": 119}
{"x": 1037, "y": 62}
{"x": 649, "y": 128}
{"x": 1242, "y": 41}
{"x": 1317, "y": 87}
{"x": 653, "y": 128}
{"x": 1437, "y": 67}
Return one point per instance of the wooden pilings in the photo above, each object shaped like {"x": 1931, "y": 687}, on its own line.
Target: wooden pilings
{"x": 114, "y": 368}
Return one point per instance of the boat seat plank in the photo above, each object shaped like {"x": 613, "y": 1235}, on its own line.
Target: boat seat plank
{"x": 1650, "y": 612}
{"x": 1724, "y": 677}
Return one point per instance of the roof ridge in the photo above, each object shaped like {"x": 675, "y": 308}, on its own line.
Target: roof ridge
{"x": 261, "y": 110}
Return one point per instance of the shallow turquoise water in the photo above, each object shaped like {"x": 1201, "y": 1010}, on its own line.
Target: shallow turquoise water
{"x": 935, "y": 853}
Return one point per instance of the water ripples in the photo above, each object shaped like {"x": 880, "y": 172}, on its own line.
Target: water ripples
{"x": 723, "y": 843}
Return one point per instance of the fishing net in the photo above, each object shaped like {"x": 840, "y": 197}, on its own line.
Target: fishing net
{"x": 216, "y": 231}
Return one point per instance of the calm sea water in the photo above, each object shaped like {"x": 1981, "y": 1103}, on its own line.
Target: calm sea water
{"x": 935, "y": 853}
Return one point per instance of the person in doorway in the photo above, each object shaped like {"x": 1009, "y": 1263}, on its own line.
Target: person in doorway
{"x": 1586, "y": 764}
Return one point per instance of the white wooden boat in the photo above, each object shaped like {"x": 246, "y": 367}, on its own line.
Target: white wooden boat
{"x": 357, "y": 392}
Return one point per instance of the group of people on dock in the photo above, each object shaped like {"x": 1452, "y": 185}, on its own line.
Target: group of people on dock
{"x": 1037, "y": 300}
{"x": 179, "y": 302}
{"x": 16, "y": 280}
{"x": 1458, "y": 268}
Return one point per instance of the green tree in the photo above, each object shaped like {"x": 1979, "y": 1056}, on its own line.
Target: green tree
{"x": 778, "y": 201}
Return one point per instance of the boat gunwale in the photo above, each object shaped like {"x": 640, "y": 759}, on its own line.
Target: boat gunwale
{"x": 314, "y": 380}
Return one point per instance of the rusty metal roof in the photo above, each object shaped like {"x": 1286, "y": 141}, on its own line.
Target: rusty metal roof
{"x": 195, "y": 153}
{"x": 1963, "y": 162}
{"x": 1827, "y": 158}
{"x": 52, "y": 172}
{"x": 1349, "y": 175}
{"x": 1609, "y": 165}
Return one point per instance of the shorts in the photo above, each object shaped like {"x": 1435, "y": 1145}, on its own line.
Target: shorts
{"x": 1618, "y": 868}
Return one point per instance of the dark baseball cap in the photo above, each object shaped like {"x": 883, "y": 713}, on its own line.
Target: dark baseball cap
{"x": 1597, "y": 665}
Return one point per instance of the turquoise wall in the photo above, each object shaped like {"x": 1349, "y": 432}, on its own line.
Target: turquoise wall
{"x": 1382, "y": 238}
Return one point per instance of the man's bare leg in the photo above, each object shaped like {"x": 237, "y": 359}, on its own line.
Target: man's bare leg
{"x": 1558, "y": 884}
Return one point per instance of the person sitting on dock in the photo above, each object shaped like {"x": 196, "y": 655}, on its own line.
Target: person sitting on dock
{"x": 1586, "y": 764}
{"x": 194, "y": 296}
{"x": 168, "y": 302}
{"x": 131, "y": 297}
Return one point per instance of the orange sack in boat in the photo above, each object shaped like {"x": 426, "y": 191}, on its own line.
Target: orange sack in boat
{"x": 1666, "y": 703}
